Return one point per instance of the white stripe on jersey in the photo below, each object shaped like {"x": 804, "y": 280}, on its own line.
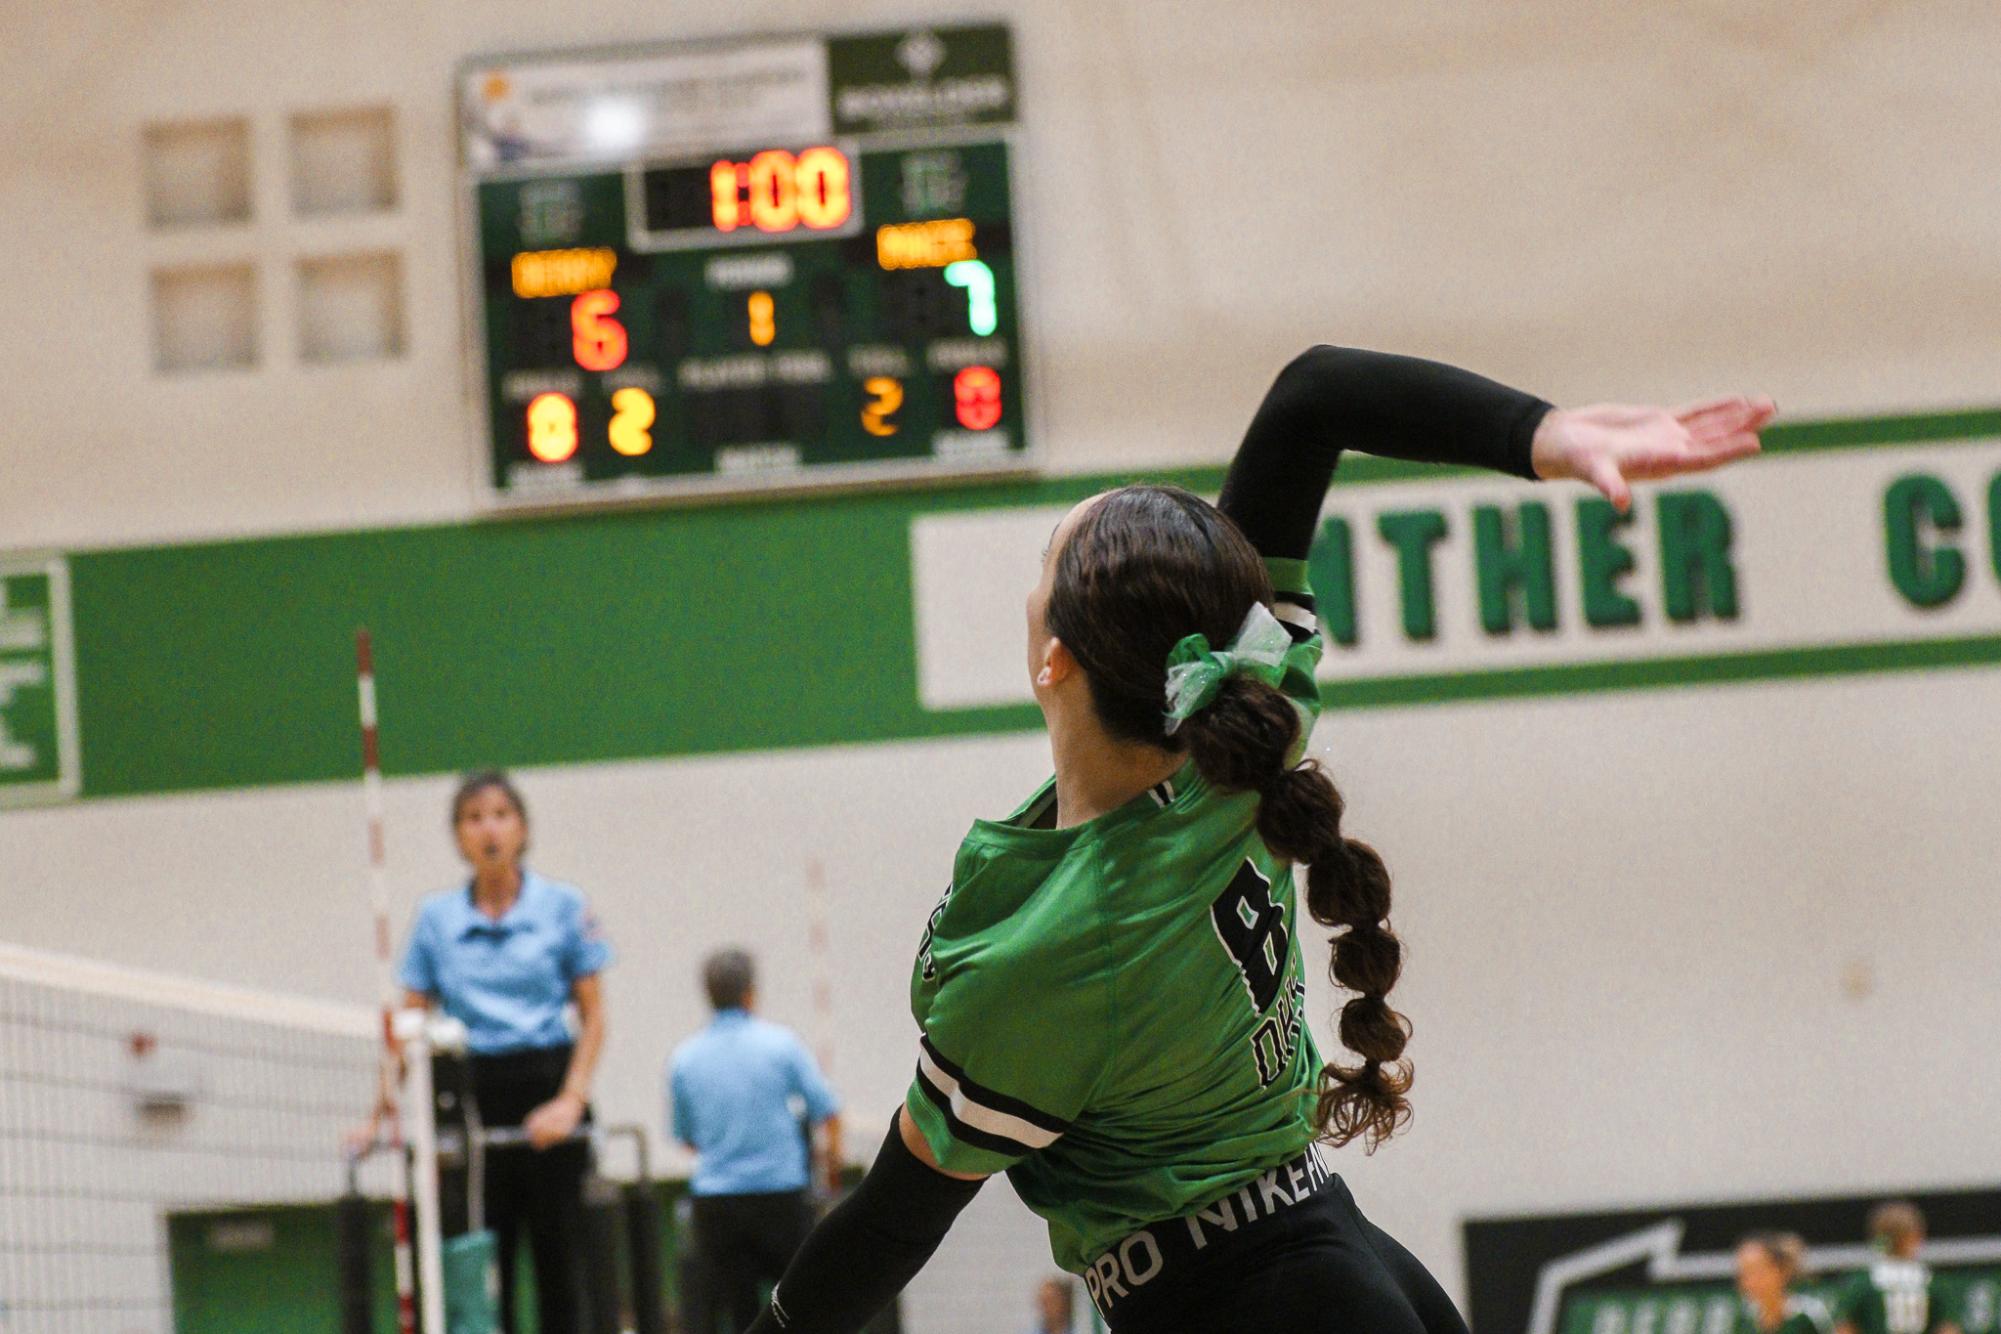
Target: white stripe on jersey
{"x": 1294, "y": 614}
{"x": 978, "y": 1115}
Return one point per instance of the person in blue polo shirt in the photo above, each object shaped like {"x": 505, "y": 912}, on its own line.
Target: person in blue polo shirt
{"x": 746, "y": 1096}
{"x": 508, "y": 954}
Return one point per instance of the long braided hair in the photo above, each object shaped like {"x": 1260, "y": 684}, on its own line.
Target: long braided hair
{"x": 1143, "y": 567}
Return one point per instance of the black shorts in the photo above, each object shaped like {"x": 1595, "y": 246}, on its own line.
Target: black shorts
{"x": 1290, "y": 1253}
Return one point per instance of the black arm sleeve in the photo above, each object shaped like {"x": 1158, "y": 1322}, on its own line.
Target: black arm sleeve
{"x": 872, "y": 1244}
{"x": 1334, "y": 398}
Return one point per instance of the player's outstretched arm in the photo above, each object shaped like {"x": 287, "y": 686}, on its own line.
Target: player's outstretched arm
{"x": 1331, "y": 399}
{"x": 872, "y": 1244}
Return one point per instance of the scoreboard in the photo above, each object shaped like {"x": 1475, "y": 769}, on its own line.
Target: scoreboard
{"x": 732, "y": 265}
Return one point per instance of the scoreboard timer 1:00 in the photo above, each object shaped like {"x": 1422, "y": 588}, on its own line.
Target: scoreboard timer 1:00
{"x": 737, "y": 265}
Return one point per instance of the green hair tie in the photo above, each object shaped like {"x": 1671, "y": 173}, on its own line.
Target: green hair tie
{"x": 1195, "y": 672}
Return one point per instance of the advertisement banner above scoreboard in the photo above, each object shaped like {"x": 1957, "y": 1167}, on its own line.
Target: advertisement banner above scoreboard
{"x": 928, "y": 78}
{"x": 547, "y": 112}
{"x": 1466, "y": 586}
{"x": 576, "y": 110}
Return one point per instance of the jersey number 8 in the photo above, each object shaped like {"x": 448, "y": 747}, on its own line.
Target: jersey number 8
{"x": 1252, "y": 928}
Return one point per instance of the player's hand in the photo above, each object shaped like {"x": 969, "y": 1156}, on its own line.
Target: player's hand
{"x": 1610, "y": 445}
{"x": 554, "y": 1121}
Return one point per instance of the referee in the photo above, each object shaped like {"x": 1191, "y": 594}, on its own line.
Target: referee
{"x": 746, "y": 1097}
{"x": 507, "y": 954}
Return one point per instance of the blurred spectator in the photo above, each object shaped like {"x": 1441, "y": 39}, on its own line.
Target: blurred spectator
{"x": 1895, "y": 1294}
{"x": 1055, "y": 1306}
{"x": 1768, "y": 1263}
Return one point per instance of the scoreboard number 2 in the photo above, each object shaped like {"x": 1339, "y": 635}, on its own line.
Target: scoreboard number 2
{"x": 632, "y": 415}
{"x": 885, "y": 397}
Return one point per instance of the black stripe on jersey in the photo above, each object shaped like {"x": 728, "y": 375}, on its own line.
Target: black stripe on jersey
{"x": 1161, "y": 793}
{"x": 987, "y": 1097}
{"x": 965, "y": 1134}
{"x": 1302, "y": 600}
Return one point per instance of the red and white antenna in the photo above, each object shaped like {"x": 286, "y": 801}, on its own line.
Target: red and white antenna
{"x": 378, "y": 898}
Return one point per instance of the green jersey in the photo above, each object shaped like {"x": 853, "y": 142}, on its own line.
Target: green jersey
{"x": 1889, "y": 1297}
{"x": 1113, "y": 1013}
{"x": 1802, "y": 1315}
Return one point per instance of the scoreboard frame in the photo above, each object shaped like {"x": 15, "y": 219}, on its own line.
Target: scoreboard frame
{"x": 987, "y": 125}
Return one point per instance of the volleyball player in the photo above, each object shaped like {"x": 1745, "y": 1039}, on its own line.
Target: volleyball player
{"x": 1768, "y": 1263}
{"x": 1111, "y": 993}
{"x": 1896, "y": 1294}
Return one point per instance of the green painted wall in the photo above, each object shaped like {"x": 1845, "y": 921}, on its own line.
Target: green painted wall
{"x": 613, "y": 635}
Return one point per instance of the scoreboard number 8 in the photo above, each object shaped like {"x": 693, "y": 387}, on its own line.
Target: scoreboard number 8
{"x": 552, "y": 427}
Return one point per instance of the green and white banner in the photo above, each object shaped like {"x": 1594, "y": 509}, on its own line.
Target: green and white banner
{"x": 1851, "y": 547}
{"x": 38, "y": 757}
{"x": 1834, "y": 560}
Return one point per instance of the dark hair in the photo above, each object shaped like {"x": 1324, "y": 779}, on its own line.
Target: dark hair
{"x": 1895, "y": 1222}
{"x": 489, "y": 781}
{"x": 727, "y": 975}
{"x": 1786, "y": 1249}
{"x": 1144, "y": 567}
{"x": 482, "y": 780}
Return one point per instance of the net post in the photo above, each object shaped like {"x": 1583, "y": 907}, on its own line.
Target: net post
{"x": 420, "y": 1126}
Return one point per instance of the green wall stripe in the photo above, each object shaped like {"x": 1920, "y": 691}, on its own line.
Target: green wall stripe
{"x": 638, "y": 633}
{"x": 1581, "y": 678}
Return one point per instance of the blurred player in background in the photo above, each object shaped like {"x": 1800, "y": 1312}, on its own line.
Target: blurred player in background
{"x": 1111, "y": 994}
{"x": 507, "y": 955}
{"x": 746, "y": 1096}
{"x": 1768, "y": 1264}
{"x": 1055, "y": 1306}
{"x": 1896, "y": 1294}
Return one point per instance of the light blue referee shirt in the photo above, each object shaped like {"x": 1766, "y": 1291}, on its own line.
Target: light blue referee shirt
{"x": 738, "y": 1089}
{"x": 509, "y": 980}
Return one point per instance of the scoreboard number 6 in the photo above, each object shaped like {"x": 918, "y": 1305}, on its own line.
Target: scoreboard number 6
{"x": 597, "y": 340}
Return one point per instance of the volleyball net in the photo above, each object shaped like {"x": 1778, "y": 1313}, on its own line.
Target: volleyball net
{"x": 127, "y": 1095}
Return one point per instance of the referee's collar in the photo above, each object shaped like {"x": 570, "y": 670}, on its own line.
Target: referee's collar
{"x": 475, "y": 922}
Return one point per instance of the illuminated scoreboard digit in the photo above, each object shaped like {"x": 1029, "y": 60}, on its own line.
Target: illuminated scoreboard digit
{"x": 724, "y": 266}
